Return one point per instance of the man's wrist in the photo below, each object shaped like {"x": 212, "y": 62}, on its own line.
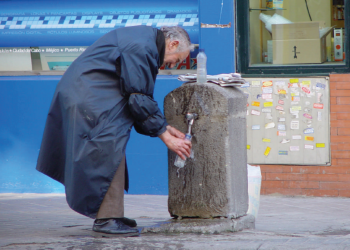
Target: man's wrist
{"x": 164, "y": 136}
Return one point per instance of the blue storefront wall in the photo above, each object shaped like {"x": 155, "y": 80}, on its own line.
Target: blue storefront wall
{"x": 23, "y": 107}
{"x": 219, "y": 43}
{"x": 25, "y": 100}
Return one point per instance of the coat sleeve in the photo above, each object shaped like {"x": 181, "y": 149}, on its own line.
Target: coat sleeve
{"x": 138, "y": 74}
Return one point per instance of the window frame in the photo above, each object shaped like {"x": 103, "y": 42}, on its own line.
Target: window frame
{"x": 243, "y": 50}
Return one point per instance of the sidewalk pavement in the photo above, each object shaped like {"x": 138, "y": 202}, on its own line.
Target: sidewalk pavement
{"x": 44, "y": 221}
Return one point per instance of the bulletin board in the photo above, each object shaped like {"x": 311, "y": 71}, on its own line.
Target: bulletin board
{"x": 288, "y": 121}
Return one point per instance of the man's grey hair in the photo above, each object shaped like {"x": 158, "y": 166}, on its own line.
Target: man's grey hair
{"x": 176, "y": 33}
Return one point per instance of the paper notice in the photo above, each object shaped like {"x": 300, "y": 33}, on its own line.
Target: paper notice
{"x": 318, "y": 105}
{"x": 281, "y": 133}
{"x": 256, "y": 84}
{"x": 320, "y": 85}
{"x": 308, "y": 131}
{"x": 267, "y": 84}
{"x": 309, "y": 138}
{"x": 308, "y": 116}
{"x": 266, "y": 96}
{"x": 270, "y": 125}
{"x": 284, "y": 141}
{"x": 295, "y": 108}
{"x": 256, "y": 104}
{"x": 306, "y": 90}
{"x": 267, "y": 90}
{"x": 266, "y": 110}
{"x": 281, "y": 127}
{"x": 294, "y": 148}
{"x": 308, "y": 146}
{"x": 268, "y": 104}
{"x": 269, "y": 116}
{"x": 294, "y": 124}
{"x": 319, "y": 97}
{"x": 255, "y": 127}
{"x": 296, "y": 98}
{"x": 255, "y": 112}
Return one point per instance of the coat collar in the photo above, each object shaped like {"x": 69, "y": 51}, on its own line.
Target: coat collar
{"x": 160, "y": 41}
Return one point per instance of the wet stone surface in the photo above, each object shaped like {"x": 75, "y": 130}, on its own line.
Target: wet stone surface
{"x": 203, "y": 226}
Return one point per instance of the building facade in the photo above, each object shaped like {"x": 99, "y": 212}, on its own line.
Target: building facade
{"x": 38, "y": 42}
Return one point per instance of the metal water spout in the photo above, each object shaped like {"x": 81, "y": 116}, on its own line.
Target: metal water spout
{"x": 190, "y": 117}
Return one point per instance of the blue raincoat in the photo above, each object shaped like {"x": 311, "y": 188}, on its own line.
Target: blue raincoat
{"x": 106, "y": 91}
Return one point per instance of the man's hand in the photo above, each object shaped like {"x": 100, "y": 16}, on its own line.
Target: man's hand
{"x": 178, "y": 145}
{"x": 174, "y": 132}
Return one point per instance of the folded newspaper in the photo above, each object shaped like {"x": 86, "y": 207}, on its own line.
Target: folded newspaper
{"x": 224, "y": 80}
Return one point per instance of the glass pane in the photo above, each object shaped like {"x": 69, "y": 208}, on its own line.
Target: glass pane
{"x": 48, "y": 35}
{"x": 294, "y": 32}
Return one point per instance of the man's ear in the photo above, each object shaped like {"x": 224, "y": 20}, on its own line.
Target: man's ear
{"x": 173, "y": 45}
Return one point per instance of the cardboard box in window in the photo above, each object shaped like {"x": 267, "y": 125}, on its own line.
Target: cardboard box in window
{"x": 295, "y": 43}
{"x": 274, "y": 4}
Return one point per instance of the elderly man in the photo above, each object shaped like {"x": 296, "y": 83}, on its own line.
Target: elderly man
{"x": 106, "y": 91}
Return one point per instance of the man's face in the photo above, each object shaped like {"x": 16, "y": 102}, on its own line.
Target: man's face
{"x": 172, "y": 57}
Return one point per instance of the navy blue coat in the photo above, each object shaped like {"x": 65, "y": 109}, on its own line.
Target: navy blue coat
{"x": 93, "y": 111}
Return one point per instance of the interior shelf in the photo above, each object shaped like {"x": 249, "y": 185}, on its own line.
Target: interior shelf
{"x": 266, "y": 9}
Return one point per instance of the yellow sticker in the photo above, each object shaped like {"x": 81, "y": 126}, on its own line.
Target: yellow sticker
{"x": 266, "y": 140}
{"x": 292, "y": 94}
{"x": 267, "y": 151}
{"x": 309, "y": 138}
{"x": 282, "y": 92}
{"x": 294, "y": 80}
{"x": 296, "y": 108}
{"x": 306, "y": 82}
{"x": 268, "y": 104}
{"x": 248, "y": 146}
{"x": 267, "y": 84}
{"x": 320, "y": 145}
{"x": 257, "y": 104}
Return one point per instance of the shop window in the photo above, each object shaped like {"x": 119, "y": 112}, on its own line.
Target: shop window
{"x": 292, "y": 37}
{"x": 46, "y": 36}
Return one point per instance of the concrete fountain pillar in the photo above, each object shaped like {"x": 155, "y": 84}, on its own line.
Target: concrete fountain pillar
{"x": 210, "y": 193}
{"x": 214, "y": 183}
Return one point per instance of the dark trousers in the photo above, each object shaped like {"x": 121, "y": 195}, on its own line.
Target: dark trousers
{"x": 113, "y": 203}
